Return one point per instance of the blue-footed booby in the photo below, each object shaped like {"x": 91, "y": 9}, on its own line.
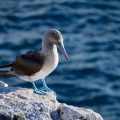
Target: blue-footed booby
{"x": 36, "y": 65}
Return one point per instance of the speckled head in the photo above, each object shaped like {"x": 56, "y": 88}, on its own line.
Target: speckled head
{"x": 54, "y": 36}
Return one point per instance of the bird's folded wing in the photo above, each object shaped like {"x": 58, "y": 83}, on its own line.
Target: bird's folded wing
{"x": 29, "y": 63}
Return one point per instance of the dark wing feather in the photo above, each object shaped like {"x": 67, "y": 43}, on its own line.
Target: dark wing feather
{"x": 29, "y": 63}
{"x": 7, "y": 65}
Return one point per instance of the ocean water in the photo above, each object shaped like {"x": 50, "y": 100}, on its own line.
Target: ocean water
{"x": 91, "y": 31}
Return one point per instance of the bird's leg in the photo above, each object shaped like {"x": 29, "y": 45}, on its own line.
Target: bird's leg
{"x": 45, "y": 87}
{"x": 36, "y": 90}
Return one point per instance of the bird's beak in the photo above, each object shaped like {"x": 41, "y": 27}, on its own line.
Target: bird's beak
{"x": 62, "y": 49}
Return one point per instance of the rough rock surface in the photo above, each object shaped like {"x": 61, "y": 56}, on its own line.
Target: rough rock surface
{"x": 23, "y": 104}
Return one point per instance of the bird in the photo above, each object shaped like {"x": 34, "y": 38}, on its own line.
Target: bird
{"x": 37, "y": 65}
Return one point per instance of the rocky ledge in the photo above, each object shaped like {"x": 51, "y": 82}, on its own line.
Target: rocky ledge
{"x": 23, "y": 104}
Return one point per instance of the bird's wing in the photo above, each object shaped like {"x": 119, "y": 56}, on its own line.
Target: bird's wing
{"x": 29, "y": 63}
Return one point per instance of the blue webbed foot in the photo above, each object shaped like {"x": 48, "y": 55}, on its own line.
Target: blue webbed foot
{"x": 36, "y": 90}
{"x": 41, "y": 92}
{"x": 46, "y": 89}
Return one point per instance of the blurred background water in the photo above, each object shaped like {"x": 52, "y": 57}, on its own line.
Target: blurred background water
{"x": 91, "y": 30}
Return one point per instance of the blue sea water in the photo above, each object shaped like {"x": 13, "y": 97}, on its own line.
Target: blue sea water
{"x": 91, "y": 30}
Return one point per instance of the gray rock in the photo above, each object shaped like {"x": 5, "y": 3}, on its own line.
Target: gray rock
{"x": 68, "y": 112}
{"x": 23, "y": 104}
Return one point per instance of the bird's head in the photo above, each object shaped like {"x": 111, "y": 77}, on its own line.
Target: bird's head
{"x": 54, "y": 36}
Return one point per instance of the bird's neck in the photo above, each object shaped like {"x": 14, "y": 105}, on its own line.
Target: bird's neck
{"x": 49, "y": 48}
{"x": 51, "y": 53}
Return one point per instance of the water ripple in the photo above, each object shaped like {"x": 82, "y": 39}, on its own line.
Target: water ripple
{"x": 91, "y": 35}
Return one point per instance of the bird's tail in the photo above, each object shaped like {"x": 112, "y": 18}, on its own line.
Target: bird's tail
{"x": 5, "y": 74}
{"x": 7, "y": 65}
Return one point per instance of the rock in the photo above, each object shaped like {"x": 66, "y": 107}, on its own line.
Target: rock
{"x": 68, "y": 112}
{"x": 23, "y": 104}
